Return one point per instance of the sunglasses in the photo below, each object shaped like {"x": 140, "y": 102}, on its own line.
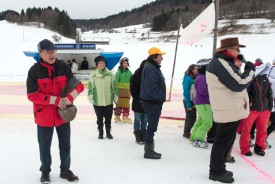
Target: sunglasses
{"x": 237, "y": 49}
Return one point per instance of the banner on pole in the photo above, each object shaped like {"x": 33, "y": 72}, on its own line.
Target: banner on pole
{"x": 201, "y": 27}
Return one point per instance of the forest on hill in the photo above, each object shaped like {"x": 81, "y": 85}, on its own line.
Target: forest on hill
{"x": 160, "y": 15}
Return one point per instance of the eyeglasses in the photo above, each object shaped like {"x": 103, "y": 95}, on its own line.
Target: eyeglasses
{"x": 237, "y": 49}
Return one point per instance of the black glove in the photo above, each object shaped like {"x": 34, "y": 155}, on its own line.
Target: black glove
{"x": 241, "y": 58}
{"x": 249, "y": 66}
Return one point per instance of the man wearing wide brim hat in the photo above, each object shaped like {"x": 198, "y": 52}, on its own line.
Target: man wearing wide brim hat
{"x": 228, "y": 43}
{"x": 229, "y": 102}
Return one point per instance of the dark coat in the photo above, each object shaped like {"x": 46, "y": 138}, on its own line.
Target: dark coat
{"x": 153, "y": 88}
{"x": 260, "y": 94}
{"x": 135, "y": 89}
{"x": 85, "y": 65}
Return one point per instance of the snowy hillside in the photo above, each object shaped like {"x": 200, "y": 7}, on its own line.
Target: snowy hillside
{"x": 118, "y": 161}
{"x": 16, "y": 39}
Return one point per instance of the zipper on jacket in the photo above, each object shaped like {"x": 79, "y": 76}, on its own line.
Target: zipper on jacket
{"x": 260, "y": 95}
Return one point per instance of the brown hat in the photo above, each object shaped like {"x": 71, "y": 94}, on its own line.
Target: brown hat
{"x": 229, "y": 43}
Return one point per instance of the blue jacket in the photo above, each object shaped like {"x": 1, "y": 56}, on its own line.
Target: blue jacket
{"x": 187, "y": 82}
{"x": 153, "y": 88}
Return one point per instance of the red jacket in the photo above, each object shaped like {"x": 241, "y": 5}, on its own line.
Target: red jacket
{"x": 45, "y": 80}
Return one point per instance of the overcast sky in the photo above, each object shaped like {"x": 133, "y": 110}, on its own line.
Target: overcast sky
{"x": 77, "y": 9}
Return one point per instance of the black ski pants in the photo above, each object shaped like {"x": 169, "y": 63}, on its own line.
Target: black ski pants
{"x": 224, "y": 140}
{"x": 104, "y": 112}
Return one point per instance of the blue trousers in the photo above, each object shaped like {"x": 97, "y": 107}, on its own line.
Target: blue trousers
{"x": 45, "y": 135}
{"x": 153, "y": 112}
{"x": 140, "y": 121}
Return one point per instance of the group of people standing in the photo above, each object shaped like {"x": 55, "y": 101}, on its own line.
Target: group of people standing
{"x": 49, "y": 78}
{"x": 223, "y": 96}
{"x": 214, "y": 89}
{"x": 146, "y": 86}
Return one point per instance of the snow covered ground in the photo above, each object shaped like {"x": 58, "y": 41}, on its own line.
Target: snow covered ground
{"x": 120, "y": 160}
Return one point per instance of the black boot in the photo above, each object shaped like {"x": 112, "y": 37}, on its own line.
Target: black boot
{"x": 45, "y": 178}
{"x": 258, "y": 150}
{"x": 108, "y": 133}
{"x": 225, "y": 177}
{"x": 149, "y": 151}
{"x": 69, "y": 175}
{"x": 138, "y": 136}
{"x": 100, "y": 132}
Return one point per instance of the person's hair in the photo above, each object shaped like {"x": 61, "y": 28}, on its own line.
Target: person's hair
{"x": 152, "y": 57}
{"x": 121, "y": 63}
{"x": 189, "y": 71}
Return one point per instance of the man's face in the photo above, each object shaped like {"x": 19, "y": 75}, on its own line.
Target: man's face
{"x": 158, "y": 59}
{"x": 48, "y": 56}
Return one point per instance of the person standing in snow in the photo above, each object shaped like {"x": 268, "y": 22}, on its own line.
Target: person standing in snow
{"x": 229, "y": 103}
{"x": 153, "y": 95}
{"x": 205, "y": 120}
{"x": 45, "y": 82}
{"x": 102, "y": 93}
{"x": 140, "y": 121}
{"x": 261, "y": 104}
{"x": 188, "y": 99}
{"x": 122, "y": 80}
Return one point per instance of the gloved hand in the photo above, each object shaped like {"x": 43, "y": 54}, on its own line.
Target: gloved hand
{"x": 91, "y": 99}
{"x": 241, "y": 58}
{"x": 249, "y": 66}
{"x": 56, "y": 100}
{"x": 71, "y": 97}
{"x": 115, "y": 98}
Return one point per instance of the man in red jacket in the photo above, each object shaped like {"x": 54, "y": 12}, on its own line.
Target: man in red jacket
{"x": 45, "y": 82}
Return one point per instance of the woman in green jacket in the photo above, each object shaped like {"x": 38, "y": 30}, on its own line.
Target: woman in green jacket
{"x": 122, "y": 79}
{"x": 102, "y": 92}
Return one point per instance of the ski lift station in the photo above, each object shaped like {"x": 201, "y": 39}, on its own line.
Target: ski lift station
{"x": 84, "y": 47}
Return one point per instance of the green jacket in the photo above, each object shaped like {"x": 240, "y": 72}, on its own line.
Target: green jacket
{"x": 102, "y": 90}
{"x": 123, "y": 76}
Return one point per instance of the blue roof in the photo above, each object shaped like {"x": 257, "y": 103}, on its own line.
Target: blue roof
{"x": 111, "y": 57}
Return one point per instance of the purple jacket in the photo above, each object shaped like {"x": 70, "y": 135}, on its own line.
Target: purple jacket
{"x": 202, "y": 96}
